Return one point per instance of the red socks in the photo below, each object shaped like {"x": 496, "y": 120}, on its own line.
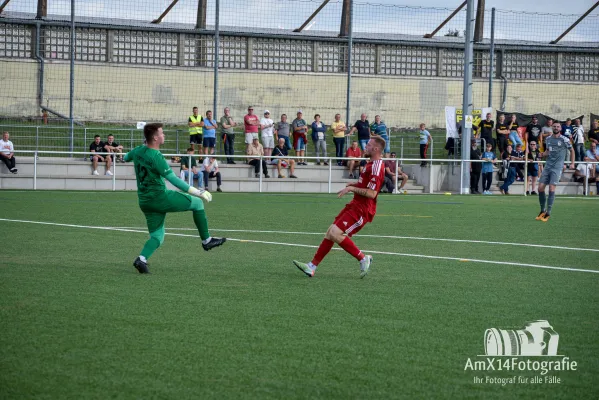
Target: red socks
{"x": 348, "y": 245}
{"x": 325, "y": 246}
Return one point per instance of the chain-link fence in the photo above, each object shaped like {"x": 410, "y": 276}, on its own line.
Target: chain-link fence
{"x": 128, "y": 69}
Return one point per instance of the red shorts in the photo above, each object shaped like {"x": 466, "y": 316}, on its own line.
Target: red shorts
{"x": 350, "y": 220}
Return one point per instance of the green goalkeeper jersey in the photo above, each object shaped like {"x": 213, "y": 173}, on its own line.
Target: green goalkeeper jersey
{"x": 150, "y": 170}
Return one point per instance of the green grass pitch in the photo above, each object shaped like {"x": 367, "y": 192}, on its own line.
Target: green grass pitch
{"x": 240, "y": 321}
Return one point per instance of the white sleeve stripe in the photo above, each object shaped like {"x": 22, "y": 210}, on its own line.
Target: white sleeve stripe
{"x": 372, "y": 186}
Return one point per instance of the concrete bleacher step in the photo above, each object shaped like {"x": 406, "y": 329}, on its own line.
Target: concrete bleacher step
{"x": 566, "y": 185}
{"x": 75, "y": 174}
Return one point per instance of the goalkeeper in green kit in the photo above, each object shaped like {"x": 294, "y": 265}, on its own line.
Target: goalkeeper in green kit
{"x": 155, "y": 201}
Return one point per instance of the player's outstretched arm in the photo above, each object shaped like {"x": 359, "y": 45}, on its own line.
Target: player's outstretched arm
{"x": 184, "y": 187}
{"x": 128, "y": 157}
{"x": 371, "y": 194}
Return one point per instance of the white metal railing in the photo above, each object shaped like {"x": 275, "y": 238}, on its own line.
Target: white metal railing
{"x": 398, "y": 163}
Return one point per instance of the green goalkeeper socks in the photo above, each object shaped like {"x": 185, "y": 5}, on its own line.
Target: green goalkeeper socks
{"x": 199, "y": 218}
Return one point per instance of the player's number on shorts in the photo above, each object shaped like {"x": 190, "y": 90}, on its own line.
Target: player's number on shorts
{"x": 142, "y": 172}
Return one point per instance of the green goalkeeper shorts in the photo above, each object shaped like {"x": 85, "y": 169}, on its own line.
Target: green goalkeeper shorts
{"x": 169, "y": 201}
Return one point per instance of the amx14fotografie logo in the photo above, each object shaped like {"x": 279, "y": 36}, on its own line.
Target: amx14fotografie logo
{"x": 530, "y": 352}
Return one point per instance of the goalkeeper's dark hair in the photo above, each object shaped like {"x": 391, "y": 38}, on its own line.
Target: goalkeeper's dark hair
{"x": 150, "y": 130}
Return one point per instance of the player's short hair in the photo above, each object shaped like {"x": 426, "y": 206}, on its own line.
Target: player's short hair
{"x": 380, "y": 142}
{"x": 150, "y": 130}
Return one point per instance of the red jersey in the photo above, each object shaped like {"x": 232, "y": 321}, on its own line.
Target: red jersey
{"x": 249, "y": 128}
{"x": 351, "y": 152}
{"x": 372, "y": 178}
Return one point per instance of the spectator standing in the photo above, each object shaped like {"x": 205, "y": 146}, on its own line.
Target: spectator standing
{"x": 7, "y": 153}
{"x": 578, "y": 139}
{"x": 506, "y": 158}
{"x": 514, "y": 134}
{"x": 300, "y": 140}
{"x": 353, "y": 152}
{"x": 228, "y": 134}
{"x": 97, "y": 146}
{"x": 339, "y": 129}
{"x": 486, "y": 131}
{"x": 362, "y": 126}
{"x": 195, "y": 124}
{"x": 279, "y": 159}
{"x": 251, "y": 124}
{"x": 533, "y": 131}
{"x": 319, "y": 130}
{"x": 518, "y": 155}
{"x": 380, "y": 129}
{"x": 254, "y": 152}
{"x": 210, "y": 170}
{"x": 425, "y": 139}
{"x": 113, "y": 147}
{"x": 502, "y": 133}
{"x": 210, "y": 126}
{"x": 533, "y": 170}
{"x": 594, "y": 133}
{"x": 267, "y": 126}
{"x": 487, "y": 168}
{"x": 282, "y": 131}
{"x": 475, "y": 167}
{"x": 568, "y": 129}
{"x": 546, "y": 131}
{"x": 189, "y": 164}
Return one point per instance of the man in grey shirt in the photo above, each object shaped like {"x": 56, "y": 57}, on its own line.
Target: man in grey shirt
{"x": 227, "y": 134}
{"x": 556, "y": 148}
{"x": 282, "y": 131}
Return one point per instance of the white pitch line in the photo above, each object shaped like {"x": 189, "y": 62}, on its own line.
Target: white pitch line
{"x": 312, "y": 246}
{"x": 544, "y": 246}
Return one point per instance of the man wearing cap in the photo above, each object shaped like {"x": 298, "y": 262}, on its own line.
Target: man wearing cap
{"x": 267, "y": 126}
{"x": 300, "y": 129}
{"x": 254, "y": 151}
{"x": 251, "y": 124}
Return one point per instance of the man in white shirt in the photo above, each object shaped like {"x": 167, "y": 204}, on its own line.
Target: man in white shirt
{"x": 268, "y": 128}
{"x": 7, "y": 153}
{"x": 210, "y": 170}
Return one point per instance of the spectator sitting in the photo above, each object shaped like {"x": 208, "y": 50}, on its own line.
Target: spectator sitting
{"x": 97, "y": 146}
{"x": 353, "y": 152}
{"x": 509, "y": 171}
{"x": 534, "y": 168}
{"x": 592, "y": 155}
{"x": 278, "y": 153}
{"x": 518, "y": 155}
{"x": 514, "y": 134}
{"x": 113, "y": 147}
{"x": 318, "y": 137}
{"x": 7, "y": 151}
{"x": 582, "y": 172}
{"x": 186, "y": 165}
{"x": 594, "y": 133}
{"x": 254, "y": 152}
{"x": 210, "y": 170}
{"x": 391, "y": 173}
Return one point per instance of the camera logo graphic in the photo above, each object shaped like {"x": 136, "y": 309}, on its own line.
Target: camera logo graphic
{"x": 537, "y": 338}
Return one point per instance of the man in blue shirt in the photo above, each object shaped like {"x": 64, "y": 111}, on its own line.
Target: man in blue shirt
{"x": 209, "y": 133}
{"x": 487, "y": 170}
{"x": 425, "y": 139}
{"x": 379, "y": 128}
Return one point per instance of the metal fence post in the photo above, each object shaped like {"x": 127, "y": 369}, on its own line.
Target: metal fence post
{"x": 131, "y": 140}
{"x": 113, "y": 173}
{"x": 260, "y": 180}
{"x": 350, "y": 46}
{"x": 35, "y": 171}
{"x": 396, "y": 172}
{"x": 189, "y": 175}
{"x": 84, "y": 141}
{"x": 491, "y": 58}
{"x": 37, "y": 139}
{"x": 177, "y": 139}
{"x": 430, "y": 172}
{"x": 330, "y": 175}
{"x": 401, "y": 150}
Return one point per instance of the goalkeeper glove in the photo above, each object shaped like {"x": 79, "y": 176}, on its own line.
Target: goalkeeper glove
{"x": 201, "y": 193}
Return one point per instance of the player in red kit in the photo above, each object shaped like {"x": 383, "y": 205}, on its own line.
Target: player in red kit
{"x": 356, "y": 214}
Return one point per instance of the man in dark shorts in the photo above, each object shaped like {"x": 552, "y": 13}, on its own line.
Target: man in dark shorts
{"x": 98, "y": 146}
{"x": 486, "y": 132}
{"x": 155, "y": 201}
{"x": 195, "y": 123}
{"x": 356, "y": 214}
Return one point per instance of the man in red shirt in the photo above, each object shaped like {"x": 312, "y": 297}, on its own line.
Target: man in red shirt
{"x": 353, "y": 152}
{"x": 356, "y": 214}
{"x": 251, "y": 123}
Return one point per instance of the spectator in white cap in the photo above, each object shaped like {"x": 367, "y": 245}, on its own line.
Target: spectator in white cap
{"x": 267, "y": 126}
